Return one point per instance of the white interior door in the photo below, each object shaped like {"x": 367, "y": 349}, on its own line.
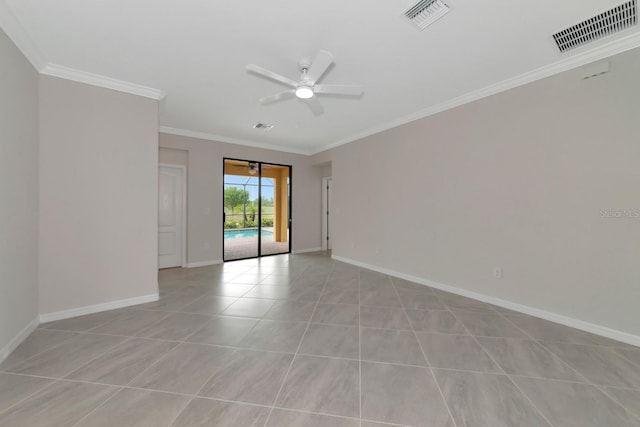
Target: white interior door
{"x": 170, "y": 216}
{"x": 326, "y": 213}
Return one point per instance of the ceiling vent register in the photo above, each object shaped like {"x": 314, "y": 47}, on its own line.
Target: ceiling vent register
{"x": 263, "y": 126}
{"x": 426, "y": 12}
{"x": 606, "y": 24}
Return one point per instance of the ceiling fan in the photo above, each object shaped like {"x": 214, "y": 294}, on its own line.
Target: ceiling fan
{"x": 306, "y": 88}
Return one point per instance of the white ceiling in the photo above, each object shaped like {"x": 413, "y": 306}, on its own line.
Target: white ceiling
{"x": 196, "y": 53}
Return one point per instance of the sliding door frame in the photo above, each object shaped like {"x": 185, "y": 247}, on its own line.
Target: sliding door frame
{"x": 289, "y": 207}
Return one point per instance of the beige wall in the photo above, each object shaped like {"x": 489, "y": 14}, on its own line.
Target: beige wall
{"x": 98, "y": 195}
{"x": 170, "y": 156}
{"x": 518, "y": 181}
{"x": 205, "y": 204}
{"x": 18, "y": 192}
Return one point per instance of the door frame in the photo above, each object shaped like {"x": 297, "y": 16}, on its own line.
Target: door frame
{"x": 183, "y": 172}
{"x": 289, "y": 206}
{"x": 326, "y": 216}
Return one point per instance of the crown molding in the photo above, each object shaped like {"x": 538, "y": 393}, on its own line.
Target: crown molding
{"x": 67, "y": 73}
{"x": 16, "y": 32}
{"x": 230, "y": 140}
{"x": 603, "y": 51}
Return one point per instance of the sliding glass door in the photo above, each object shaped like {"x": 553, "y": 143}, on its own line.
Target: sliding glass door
{"x": 257, "y": 209}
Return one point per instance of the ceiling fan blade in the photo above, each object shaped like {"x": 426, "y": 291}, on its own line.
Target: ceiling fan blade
{"x": 339, "y": 89}
{"x": 319, "y": 65}
{"x": 314, "y": 105}
{"x": 271, "y": 75}
{"x": 278, "y": 97}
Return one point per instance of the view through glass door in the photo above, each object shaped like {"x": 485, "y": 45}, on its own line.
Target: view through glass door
{"x": 257, "y": 209}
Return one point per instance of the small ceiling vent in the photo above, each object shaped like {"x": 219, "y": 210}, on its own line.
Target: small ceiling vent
{"x": 263, "y": 126}
{"x": 607, "y": 23}
{"x": 426, "y": 12}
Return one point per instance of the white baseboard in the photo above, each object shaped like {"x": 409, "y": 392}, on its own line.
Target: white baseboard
{"x": 17, "y": 340}
{"x": 532, "y": 311}
{"x": 89, "y": 309}
{"x": 204, "y": 263}
{"x": 304, "y": 251}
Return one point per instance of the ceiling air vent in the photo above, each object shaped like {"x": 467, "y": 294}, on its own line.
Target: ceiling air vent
{"x": 262, "y": 126}
{"x": 607, "y": 23}
{"x": 426, "y": 12}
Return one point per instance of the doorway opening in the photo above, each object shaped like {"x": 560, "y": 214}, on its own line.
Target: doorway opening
{"x": 257, "y": 209}
{"x": 326, "y": 213}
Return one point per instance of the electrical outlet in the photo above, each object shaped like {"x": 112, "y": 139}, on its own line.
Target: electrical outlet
{"x": 497, "y": 272}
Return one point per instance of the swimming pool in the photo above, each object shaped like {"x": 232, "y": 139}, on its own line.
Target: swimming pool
{"x": 245, "y": 233}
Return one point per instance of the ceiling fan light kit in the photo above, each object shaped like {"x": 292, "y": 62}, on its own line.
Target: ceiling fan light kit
{"x": 306, "y": 88}
{"x": 304, "y": 92}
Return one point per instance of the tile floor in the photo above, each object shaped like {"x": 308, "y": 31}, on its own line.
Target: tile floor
{"x": 301, "y": 340}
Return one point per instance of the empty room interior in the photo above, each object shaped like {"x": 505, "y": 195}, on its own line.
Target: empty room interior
{"x": 352, "y": 214}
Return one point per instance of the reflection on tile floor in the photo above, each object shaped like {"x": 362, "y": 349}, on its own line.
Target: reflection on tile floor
{"x": 247, "y": 247}
{"x": 301, "y": 340}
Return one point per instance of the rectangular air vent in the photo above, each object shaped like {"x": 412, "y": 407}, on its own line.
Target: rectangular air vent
{"x": 264, "y": 126}
{"x": 607, "y": 23}
{"x": 426, "y": 12}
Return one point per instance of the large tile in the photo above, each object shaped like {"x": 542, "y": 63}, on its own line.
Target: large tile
{"x": 384, "y": 296}
{"x": 209, "y": 305}
{"x": 458, "y": 302}
{"x": 375, "y": 424}
{"x": 567, "y": 404}
{"x": 270, "y": 292}
{"x": 207, "y": 413}
{"x": 223, "y": 330}
{"x": 68, "y": 356}
{"x": 177, "y": 326}
{"x": 86, "y": 322}
{"x": 486, "y": 400}
{"x": 544, "y": 330}
{"x": 14, "y": 388}
{"x": 122, "y": 363}
{"x": 249, "y": 307}
{"x": 298, "y": 311}
{"x": 489, "y": 325}
{"x": 275, "y": 336}
{"x": 171, "y": 302}
{"x": 404, "y": 395}
{"x": 336, "y": 314}
{"x": 630, "y": 399}
{"x": 391, "y": 346}
{"x": 132, "y": 322}
{"x": 528, "y": 358}
{"x": 331, "y": 340}
{"x": 439, "y": 321}
{"x": 230, "y": 289}
{"x": 38, "y": 341}
{"x": 420, "y": 300}
{"x": 319, "y": 384}
{"x": 249, "y": 376}
{"x": 61, "y": 404}
{"x": 185, "y": 369}
{"x": 309, "y": 293}
{"x": 632, "y": 354}
{"x": 277, "y": 280}
{"x": 456, "y": 352}
{"x": 402, "y": 284}
{"x": 282, "y": 417}
{"x": 599, "y": 365}
{"x": 137, "y": 408}
{"x": 384, "y": 317}
{"x": 339, "y": 295}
